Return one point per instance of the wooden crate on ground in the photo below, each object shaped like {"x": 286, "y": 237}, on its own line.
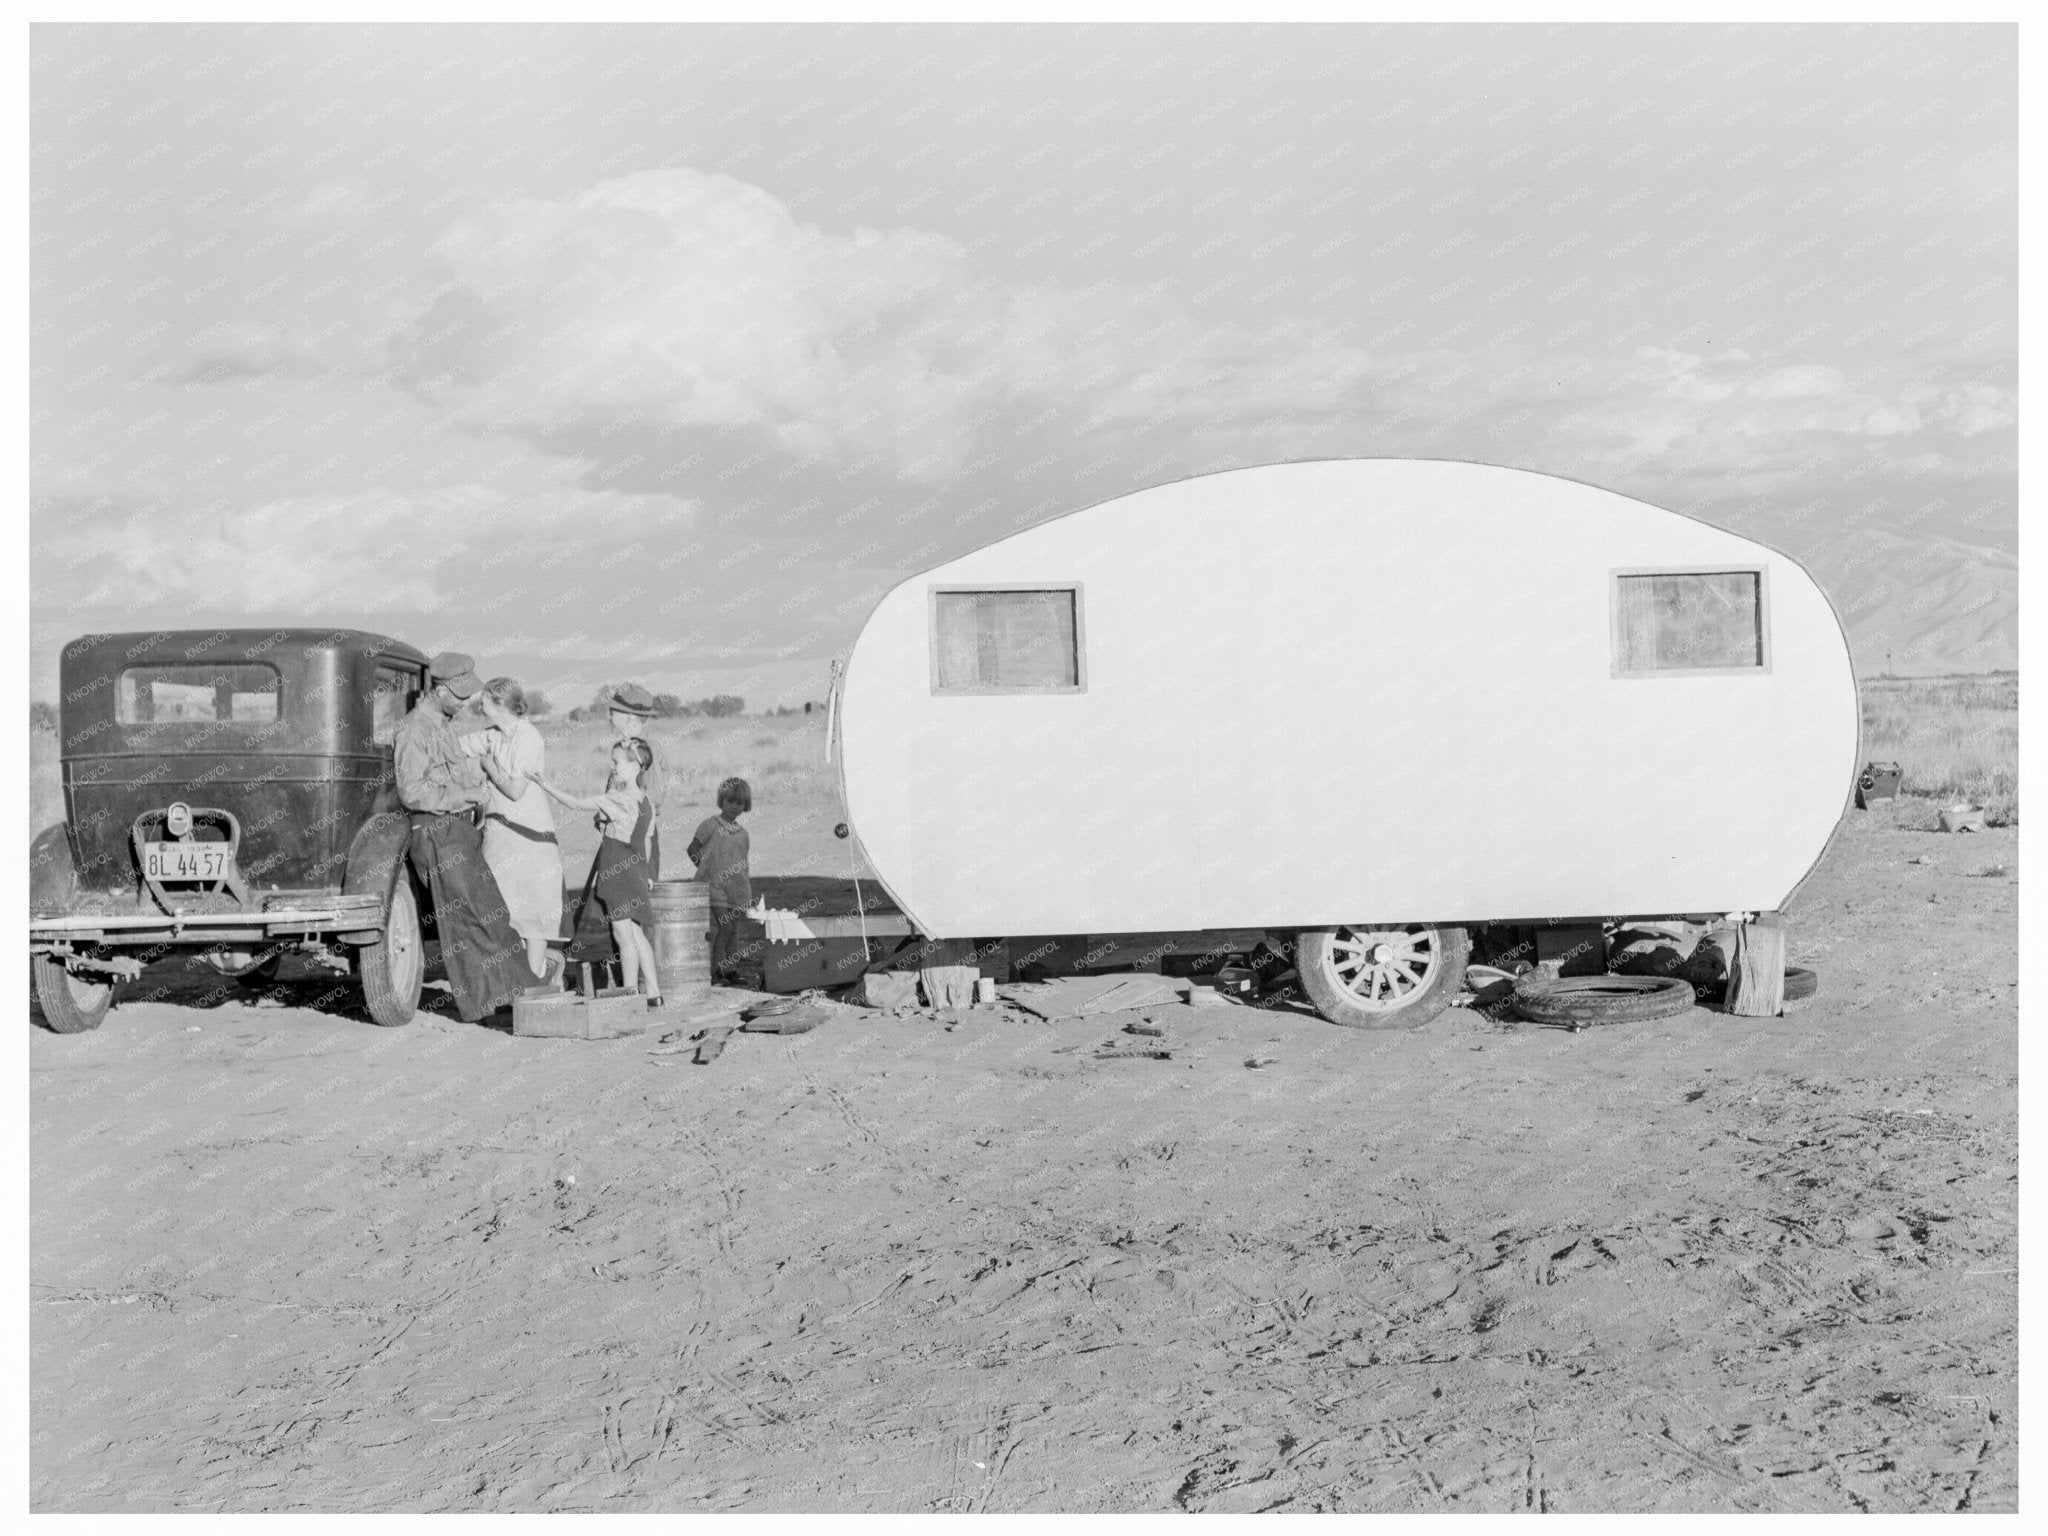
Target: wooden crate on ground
{"x": 604, "y": 1015}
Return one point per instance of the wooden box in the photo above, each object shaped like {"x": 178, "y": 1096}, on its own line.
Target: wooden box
{"x": 605, "y": 1015}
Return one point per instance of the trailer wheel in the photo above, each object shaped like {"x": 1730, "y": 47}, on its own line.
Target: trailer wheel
{"x": 71, "y": 1004}
{"x": 1392, "y": 976}
{"x": 1576, "y": 1001}
{"x": 392, "y": 968}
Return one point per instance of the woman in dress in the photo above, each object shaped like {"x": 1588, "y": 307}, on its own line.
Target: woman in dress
{"x": 519, "y": 824}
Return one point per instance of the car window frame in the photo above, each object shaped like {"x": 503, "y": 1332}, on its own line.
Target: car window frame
{"x": 269, "y": 724}
{"x": 418, "y": 688}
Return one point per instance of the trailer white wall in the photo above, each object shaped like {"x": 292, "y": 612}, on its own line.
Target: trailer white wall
{"x": 1348, "y": 691}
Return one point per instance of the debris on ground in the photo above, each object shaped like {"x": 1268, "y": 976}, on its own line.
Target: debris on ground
{"x": 948, "y": 986}
{"x": 789, "y": 1021}
{"x": 1143, "y": 1027}
{"x": 1260, "y": 1061}
{"x": 1487, "y": 986}
{"x": 884, "y": 989}
{"x": 1080, "y": 997}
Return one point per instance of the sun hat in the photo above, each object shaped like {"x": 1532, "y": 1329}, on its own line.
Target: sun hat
{"x": 632, "y": 699}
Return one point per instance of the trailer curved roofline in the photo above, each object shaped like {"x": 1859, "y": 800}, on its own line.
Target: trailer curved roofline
{"x": 1849, "y": 790}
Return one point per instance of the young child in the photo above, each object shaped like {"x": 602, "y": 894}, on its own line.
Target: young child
{"x": 621, "y": 879}
{"x": 720, "y": 852}
{"x": 631, "y": 708}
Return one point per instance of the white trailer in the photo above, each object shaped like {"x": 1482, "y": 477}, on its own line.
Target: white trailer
{"x": 1368, "y": 702}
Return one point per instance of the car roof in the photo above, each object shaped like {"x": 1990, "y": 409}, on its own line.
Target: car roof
{"x": 142, "y": 646}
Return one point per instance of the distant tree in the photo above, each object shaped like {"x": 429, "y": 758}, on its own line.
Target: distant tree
{"x": 723, "y": 705}
{"x": 667, "y": 706}
{"x": 537, "y": 703}
{"x": 42, "y": 717}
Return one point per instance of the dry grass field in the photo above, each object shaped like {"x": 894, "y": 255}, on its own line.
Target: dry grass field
{"x": 1956, "y": 737}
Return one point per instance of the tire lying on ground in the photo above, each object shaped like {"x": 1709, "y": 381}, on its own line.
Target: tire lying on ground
{"x": 1601, "y": 999}
{"x": 1800, "y": 982}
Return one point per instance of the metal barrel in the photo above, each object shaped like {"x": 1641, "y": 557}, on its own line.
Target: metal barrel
{"x": 682, "y": 937}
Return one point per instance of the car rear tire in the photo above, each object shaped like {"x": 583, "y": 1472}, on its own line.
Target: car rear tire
{"x": 393, "y": 967}
{"x": 71, "y": 1004}
{"x": 1381, "y": 976}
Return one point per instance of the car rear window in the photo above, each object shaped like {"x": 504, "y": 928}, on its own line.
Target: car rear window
{"x": 398, "y": 689}
{"x": 199, "y": 693}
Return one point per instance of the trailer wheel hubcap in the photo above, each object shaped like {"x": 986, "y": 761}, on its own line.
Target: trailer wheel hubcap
{"x": 1384, "y": 968}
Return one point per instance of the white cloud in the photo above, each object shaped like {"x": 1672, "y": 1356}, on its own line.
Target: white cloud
{"x": 1745, "y": 414}
{"x": 688, "y": 300}
{"x": 674, "y": 299}
{"x": 1978, "y": 408}
{"x": 1795, "y": 383}
{"x": 379, "y": 550}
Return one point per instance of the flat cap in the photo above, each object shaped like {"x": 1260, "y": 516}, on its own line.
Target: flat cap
{"x": 632, "y": 699}
{"x": 455, "y": 672}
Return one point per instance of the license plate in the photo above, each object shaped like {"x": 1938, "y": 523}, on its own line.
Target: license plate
{"x": 186, "y": 861}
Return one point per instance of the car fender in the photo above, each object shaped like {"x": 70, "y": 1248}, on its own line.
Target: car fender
{"x": 376, "y": 859}
{"x": 52, "y": 871}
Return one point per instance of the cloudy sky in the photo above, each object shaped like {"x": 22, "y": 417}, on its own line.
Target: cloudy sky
{"x": 660, "y": 352}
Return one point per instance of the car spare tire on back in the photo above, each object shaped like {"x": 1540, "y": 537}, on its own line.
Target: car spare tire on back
{"x": 1578, "y": 1000}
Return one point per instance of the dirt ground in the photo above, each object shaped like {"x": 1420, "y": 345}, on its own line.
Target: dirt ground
{"x": 284, "y": 1260}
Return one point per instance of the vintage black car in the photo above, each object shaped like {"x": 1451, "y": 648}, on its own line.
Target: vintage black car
{"x": 229, "y": 792}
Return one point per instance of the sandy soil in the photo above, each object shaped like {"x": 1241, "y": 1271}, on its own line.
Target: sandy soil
{"x": 285, "y": 1260}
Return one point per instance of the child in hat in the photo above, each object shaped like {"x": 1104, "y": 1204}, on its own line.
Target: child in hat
{"x": 631, "y": 708}
{"x": 620, "y": 877}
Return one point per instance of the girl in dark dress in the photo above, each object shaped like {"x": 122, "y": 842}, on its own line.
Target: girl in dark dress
{"x": 622, "y": 881}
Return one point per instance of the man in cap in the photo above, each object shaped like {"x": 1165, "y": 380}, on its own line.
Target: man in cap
{"x": 439, "y": 785}
{"x": 631, "y": 708}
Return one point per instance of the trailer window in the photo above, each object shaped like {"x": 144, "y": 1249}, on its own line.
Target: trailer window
{"x": 239, "y": 693}
{"x": 1006, "y": 640}
{"x": 398, "y": 689}
{"x": 1689, "y": 621}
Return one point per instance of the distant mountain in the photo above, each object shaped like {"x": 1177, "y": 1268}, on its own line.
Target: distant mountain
{"x": 1930, "y": 602}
